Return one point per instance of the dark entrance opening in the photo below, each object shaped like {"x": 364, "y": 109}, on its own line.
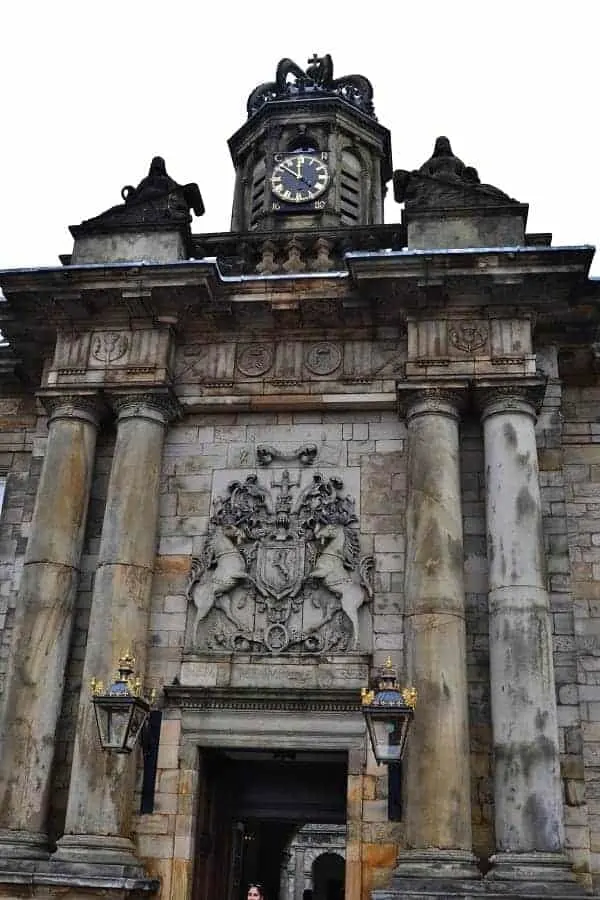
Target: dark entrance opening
{"x": 251, "y": 804}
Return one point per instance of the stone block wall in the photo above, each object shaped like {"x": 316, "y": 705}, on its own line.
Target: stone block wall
{"x": 201, "y": 445}
{"x": 196, "y": 451}
{"x": 580, "y": 649}
{"x": 476, "y": 608}
{"x": 22, "y": 440}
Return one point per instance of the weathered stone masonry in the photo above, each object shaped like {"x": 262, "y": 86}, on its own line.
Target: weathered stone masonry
{"x": 267, "y": 460}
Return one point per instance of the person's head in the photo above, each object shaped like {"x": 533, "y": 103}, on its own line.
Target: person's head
{"x": 255, "y": 892}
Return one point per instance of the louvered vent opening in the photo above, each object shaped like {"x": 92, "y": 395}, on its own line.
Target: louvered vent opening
{"x": 257, "y": 197}
{"x": 350, "y": 189}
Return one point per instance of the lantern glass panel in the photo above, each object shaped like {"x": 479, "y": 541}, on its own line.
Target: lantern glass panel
{"x": 138, "y": 717}
{"x": 113, "y": 721}
{"x": 388, "y": 734}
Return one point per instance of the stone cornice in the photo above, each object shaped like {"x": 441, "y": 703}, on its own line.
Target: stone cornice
{"x": 488, "y": 261}
{"x": 377, "y": 289}
{"x": 262, "y": 699}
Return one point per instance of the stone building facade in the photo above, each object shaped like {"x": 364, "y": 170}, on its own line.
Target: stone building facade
{"x": 266, "y": 461}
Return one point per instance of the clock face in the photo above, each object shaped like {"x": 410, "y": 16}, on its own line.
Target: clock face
{"x": 299, "y": 178}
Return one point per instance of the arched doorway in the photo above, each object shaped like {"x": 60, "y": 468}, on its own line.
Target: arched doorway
{"x": 307, "y": 844}
{"x": 329, "y": 870}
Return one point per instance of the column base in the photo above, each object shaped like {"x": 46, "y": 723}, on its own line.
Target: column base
{"x": 433, "y": 863}
{"x": 47, "y": 886}
{"x": 543, "y": 867}
{"x": 96, "y": 855}
{"x": 22, "y": 847}
{"x": 451, "y": 875}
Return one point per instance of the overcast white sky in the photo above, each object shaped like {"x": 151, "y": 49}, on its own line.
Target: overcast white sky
{"x": 91, "y": 91}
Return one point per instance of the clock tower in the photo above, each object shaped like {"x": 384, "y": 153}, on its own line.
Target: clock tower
{"x": 311, "y": 154}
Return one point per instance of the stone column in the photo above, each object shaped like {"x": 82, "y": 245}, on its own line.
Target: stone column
{"x": 528, "y": 801}
{"x": 43, "y": 627}
{"x": 98, "y": 821}
{"x": 438, "y": 790}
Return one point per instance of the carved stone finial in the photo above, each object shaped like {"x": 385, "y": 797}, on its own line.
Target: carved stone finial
{"x": 294, "y": 263}
{"x": 445, "y": 181}
{"x": 267, "y": 264}
{"x": 322, "y": 261}
{"x": 157, "y": 200}
{"x": 292, "y": 83}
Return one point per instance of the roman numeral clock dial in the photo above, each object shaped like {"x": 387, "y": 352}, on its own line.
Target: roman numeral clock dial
{"x": 300, "y": 179}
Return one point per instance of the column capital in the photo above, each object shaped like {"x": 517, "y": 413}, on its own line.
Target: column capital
{"x": 446, "y": 398}
{"x": 524, "y": 395}
{"x": 161, "y": 406}
{"x": 88, "y": 406}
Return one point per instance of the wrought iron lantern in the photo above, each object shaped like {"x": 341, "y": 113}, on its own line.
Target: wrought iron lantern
{"x": 388, "y": 710}
{"x": 121, "y": 711}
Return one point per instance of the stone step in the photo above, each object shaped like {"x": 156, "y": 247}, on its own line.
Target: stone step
{"x": 486, "y": 890}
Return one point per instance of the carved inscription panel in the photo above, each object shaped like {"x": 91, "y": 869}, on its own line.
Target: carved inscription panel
{"x": 281, "y": 569}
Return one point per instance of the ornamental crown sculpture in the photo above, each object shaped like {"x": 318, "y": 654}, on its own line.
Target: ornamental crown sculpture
{"x": 292, "y": 83}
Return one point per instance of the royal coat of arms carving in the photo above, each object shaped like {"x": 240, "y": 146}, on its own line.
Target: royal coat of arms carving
{"x": 280, "y": 570}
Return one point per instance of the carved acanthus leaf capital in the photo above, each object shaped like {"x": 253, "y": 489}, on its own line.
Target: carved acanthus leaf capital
{"x": 88, "y": 406}
{"x": 524, "y": 395}
{"x": 422, "y": 398}
{"x": 160, "y": 406}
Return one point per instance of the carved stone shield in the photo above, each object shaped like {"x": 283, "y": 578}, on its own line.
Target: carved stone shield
{"x": 280, "y": 568}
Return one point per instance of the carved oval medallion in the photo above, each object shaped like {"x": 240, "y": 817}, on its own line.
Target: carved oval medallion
{"x": 255, "y": 359}
{"x": 109, "y": 347}
{"x": 323, "y": 358}
{"x": 467, "y": 337}
{"x": 277, "y": 638}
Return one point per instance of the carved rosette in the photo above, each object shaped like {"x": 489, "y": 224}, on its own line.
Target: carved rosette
{"x": 280, "y": 570}
{"x": 525, "y": 396}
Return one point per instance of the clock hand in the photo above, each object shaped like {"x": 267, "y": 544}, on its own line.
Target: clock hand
{"x": 296, "y": 175}
{"x": 291, "y": 172}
